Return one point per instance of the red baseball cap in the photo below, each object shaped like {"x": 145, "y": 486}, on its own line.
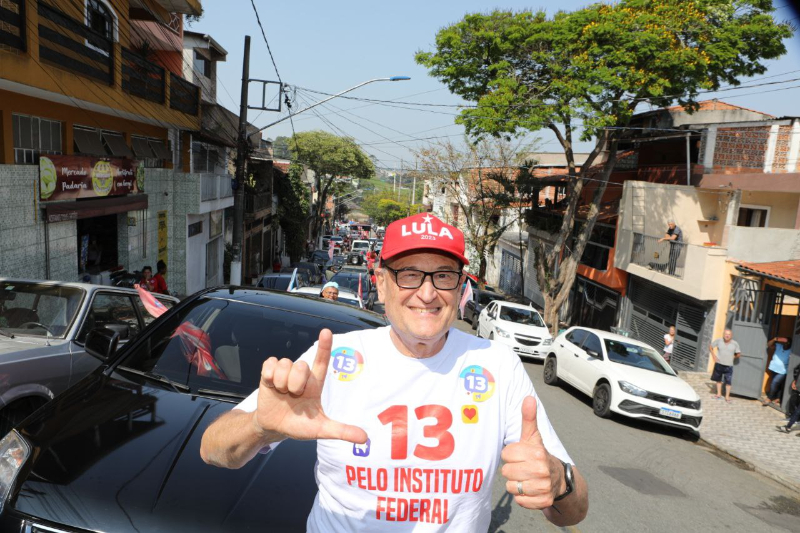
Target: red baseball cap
{"x": 423, "y": 232}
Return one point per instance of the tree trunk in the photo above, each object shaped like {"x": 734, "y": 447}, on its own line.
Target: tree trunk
{"x": 550, "y": 314}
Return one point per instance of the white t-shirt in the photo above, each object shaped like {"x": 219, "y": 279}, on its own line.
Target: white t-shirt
{"x": 436, "y": 428}
{"x": 668, "y": 347}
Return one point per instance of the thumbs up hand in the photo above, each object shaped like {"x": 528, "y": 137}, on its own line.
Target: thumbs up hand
{"x": 534, "y": 477}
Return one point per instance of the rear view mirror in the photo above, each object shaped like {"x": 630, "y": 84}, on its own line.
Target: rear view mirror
{"x": 102, "y": 343}
{"x": 592, "y": 353}
{"x": 123, "y": 329}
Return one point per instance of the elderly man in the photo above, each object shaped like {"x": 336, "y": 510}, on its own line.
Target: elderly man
{"x": 411, "y": 420}
{"x": 723, "y": 352}
{"x": 674, "y": 235}
{"x": 330, "y": 291}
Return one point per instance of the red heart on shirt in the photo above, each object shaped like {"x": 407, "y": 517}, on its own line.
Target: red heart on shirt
{"x": 470, "y": 413}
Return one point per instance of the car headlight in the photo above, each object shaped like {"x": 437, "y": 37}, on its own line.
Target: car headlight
{"x": 694, "y": 405}
{"x": 630, "y": 388}
{"x": 547, "y": 342}
{"x": 14, "y": 451}
{"x": 503, "y": 333}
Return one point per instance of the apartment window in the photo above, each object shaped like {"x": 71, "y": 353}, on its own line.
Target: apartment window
{"x": 99, "y": 18}
{"x": 34, "y": 136}
{"x": 206, "y": 158}
{"x": 600, "y": 243}
{"x": 202, "y": 65}
{"x": 88, "y": 141}
{"x": 753, "y": 216}
{"x": 152, "y": 153}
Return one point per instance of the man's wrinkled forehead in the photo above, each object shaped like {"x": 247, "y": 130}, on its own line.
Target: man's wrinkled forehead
{"x": 417, "y": 258}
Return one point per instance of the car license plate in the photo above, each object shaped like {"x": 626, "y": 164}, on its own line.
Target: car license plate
{"x": 672, "y": 413}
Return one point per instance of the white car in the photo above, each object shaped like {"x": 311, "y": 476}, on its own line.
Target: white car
{"x": 622, "y": 376}
{"x": 517, "y": 325}
{"x": 345, "y": 296}
{"x": 360, "y": 246}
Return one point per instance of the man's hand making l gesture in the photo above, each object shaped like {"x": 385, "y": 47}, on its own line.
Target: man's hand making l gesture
{"x": 289, "y": 400}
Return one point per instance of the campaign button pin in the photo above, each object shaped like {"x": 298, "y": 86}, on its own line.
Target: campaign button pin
{"x": 469, "y": 414}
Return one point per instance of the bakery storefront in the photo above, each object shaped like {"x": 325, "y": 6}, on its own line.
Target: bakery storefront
{"x": 97, "y": 194}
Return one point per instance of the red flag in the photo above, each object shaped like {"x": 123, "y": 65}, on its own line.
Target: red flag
{"x": 359, "y": 287}
{"x": 153, "y": 306}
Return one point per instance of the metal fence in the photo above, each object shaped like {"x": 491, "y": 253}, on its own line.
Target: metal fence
{"x": 666, "y": 257}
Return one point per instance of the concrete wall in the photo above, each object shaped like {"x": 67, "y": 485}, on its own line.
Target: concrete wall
{"x": 762, "y": 245}
{"x": 783, "y": 206}
{"x": 22, "y": 231}
{"x": 196, "y": 255}
{"x": 690, "y": 207}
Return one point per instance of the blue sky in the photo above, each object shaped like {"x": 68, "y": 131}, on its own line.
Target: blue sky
{"x": 330, "y": 46}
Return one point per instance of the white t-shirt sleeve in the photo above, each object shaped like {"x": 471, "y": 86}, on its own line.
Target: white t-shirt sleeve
{"x": 520, "y": 388}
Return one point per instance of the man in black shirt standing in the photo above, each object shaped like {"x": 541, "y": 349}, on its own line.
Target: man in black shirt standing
{"x": 674, "y": 235}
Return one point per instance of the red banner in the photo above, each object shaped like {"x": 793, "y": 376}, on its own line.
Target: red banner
{"x": 66, "y": 177}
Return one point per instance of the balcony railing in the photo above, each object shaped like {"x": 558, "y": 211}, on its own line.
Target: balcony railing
{"x": 253, "y": 203}
{"x": 12, "y": 24}
{"x": 73, "y": 46}
{"x": 183, "y": 96}
{"x": 665, "y": 257}
{"x": 214, "y": 186}
{"x": 141, "y": 77}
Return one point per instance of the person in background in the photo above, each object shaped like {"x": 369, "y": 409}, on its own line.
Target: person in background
{"x": 330, "y": 291}
{"x": 669, "y": 343}
{"x": 724, "y": 351}
{"x": 796, "y": 414}
{"x": 674, "y": 235}
{"x": 147, "y": 278}
{"x": 159, "y": 283}
{"x": 778, "y": 367}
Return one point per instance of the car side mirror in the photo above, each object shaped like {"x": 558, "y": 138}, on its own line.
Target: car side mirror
{"x": 592, "y": 353}
{"x": 101, "y": 343}
{"x": 123, "y": 329}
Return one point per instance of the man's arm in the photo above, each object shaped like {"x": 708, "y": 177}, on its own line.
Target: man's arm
{"x": 572, "y": 509}
{"x": 234, "y": 439}
{"x": 713, "y": 351}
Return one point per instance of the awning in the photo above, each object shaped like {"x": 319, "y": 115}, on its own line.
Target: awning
{"x": 782, "y": 271}
{"x": 142, "y": 148}
{"x": 161, "y": 150}
{"x": 61, "y": 211}
{"x": 116, "y": 143}
{"x": 88, "y": 142}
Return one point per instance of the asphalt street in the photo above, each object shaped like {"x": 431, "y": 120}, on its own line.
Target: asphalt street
{"x": 644, "y": 477}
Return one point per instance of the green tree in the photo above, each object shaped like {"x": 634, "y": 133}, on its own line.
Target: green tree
{"x": 526, "y": 72}
{"x": 390, "y": 210}
{"x": 280, "y": 148}
{"x": 292, "y": 211}
{"x": 330, "y": 157}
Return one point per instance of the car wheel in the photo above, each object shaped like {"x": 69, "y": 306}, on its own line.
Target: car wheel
{"x": 551, "y": 371}
{"x": 491, "y": 336}
{"x": 18, "y": 411}
{"x": 601, "y": 400}
{"x": 474, "y": 322}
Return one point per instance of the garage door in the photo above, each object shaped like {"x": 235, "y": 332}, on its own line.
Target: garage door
{"x": 655, "y": 309}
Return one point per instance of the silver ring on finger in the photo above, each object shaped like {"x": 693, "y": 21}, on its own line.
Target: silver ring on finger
{"x": 519, "y": 488}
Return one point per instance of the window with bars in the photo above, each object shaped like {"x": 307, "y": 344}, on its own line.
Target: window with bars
{"x": 99, "y": 18}
{"x": 34, "y": 136}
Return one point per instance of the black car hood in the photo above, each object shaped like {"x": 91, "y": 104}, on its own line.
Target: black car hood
{"x": 114, "y": 455}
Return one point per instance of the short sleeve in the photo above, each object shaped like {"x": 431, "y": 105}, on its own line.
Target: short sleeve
{"x": 520, "y": 387}
{"x": 738, "y": 348}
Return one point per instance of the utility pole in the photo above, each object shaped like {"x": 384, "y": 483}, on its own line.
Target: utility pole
{"x": 241, "y": 153}
{"x": 414, "y": 190}
{"x": 400, "y": 185}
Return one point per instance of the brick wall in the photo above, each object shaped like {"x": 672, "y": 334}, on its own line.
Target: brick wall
{"x": 782, "y": 149}
{"x": 744, "y": 148}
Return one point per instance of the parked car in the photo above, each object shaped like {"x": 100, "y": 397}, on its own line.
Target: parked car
{"x": 302, "y": 275}
{"x": 360, "y": 246}
{"x": 314, "y": 269}
{"x": 345, "y": 296}
{"x": 43, "y": 328}
{"x": 319, "y": 258}
{"x": 280, "y": 281}
{"x": 348, "y": 280}
{"x": 480, "y": 299}
{"x": 519, "y": 326}
{"x": 120, "y": 451}
{"x": 622, "y": 376}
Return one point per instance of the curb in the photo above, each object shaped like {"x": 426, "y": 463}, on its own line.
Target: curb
{"x": 755, "y": 466}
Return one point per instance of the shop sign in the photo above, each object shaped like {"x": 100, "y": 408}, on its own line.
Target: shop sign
{"x": 162, "y": 236}
{"x": 66, "y": 177}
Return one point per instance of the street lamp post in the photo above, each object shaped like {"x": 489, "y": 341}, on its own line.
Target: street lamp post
{"x": 236, "y": 263}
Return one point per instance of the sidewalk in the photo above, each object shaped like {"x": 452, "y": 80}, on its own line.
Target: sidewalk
{"x": 746, "y": 430}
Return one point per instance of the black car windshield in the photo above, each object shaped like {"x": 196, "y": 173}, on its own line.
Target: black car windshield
{"x": 280, "y": 283}
{"x": 350, "y": 282}
{"x": 528, "y": 317}
{"x": 37, "y": 309}
{"x": 220, "y": 345}
{"x": 639, "y": 356}
{"x": 486, "y": 298}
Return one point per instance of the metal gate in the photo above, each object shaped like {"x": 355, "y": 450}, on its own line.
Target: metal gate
{"x": 510, "y": 273}
{"x": 654, "y": 309}
{"x": 593, "y": 306}
{"x": 749, "y": 317}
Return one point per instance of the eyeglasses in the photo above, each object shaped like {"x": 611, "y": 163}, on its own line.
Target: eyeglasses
{"x": 409, "y": 278}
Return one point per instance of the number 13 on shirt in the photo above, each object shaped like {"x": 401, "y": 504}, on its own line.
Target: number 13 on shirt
{"x": 397, "y": 416}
